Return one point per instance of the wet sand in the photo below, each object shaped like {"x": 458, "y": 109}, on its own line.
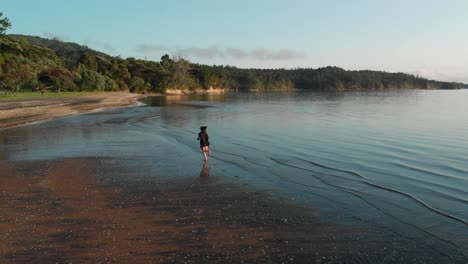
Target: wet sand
{"x": 56, "y": 211}
{"x": 16, "y": 112}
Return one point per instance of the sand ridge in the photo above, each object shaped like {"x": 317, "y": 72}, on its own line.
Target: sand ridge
{"x": 30, "y": 110}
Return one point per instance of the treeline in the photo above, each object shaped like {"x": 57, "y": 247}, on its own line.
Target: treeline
{"x": 33, "y": 63}
{"x": 326, "y": 79}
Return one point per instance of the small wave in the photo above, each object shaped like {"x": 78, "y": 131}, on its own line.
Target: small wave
{"x": 331, "y": 168}
{"x": 365, "y": 181}
{"x": 423, "y": 182}
{"x": 414, "y": 168}
{"x": 414, "y": 198}
{"x": 249, "y": 160}
{"x": 353, "y": 192}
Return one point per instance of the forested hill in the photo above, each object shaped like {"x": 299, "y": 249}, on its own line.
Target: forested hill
{"x": 34, "y": 63}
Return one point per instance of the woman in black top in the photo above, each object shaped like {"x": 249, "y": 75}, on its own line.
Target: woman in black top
{"x": 204, "y": 143}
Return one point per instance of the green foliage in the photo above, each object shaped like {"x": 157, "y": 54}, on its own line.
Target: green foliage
{"x": 209, "y": 77}
{"x": 16, "y": 76}
{"x": 33, "y": 63}
{"x": 4, "y": 24}
{"x": 12, "y": 49}
{"x": 181, "y": 77}
{"x": 328, "y": 79}
{"x": 88, "y": 80}
{"x": 90, "y": 61}
{"x": 138, "y": 85}
{"x": 69, "y": 53}
{"x": 58, "y": 78}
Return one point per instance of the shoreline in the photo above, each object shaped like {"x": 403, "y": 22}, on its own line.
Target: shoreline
{"x": 27, "y": 111}
{"x": 196, "y": 91}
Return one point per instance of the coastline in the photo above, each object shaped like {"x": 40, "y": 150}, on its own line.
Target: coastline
{"x": 24, "y": 111}
{"x": 196, "y": 91}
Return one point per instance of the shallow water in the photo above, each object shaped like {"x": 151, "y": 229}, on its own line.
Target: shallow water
{"x": 393, "y": 163}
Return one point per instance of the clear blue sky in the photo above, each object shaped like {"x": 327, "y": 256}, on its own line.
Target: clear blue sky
{"x": 424, "y": 37}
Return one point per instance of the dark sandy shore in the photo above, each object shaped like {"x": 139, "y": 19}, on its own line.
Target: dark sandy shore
{"x": 58, "y": 212}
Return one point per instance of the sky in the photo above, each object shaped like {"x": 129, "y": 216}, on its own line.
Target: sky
{"x": 428, "y": 38}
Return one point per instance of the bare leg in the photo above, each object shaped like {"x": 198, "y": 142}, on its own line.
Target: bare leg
{"x": 205, "y": 158}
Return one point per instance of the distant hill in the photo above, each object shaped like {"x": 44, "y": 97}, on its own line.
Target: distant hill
{"x": 68, "y": 51}
{"x": 35, "y": 63}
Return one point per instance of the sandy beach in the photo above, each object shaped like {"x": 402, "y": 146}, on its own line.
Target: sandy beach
{"x": 14, "y": 112}
{"x": 57, "y": 211}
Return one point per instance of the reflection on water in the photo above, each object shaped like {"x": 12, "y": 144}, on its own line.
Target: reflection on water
{"x": 391, "y": 162}
{"x": 205, "y": 171}
{"x": 182, "y": 100}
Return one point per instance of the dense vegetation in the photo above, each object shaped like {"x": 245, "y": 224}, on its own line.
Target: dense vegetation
{"x": 30, "y": 63}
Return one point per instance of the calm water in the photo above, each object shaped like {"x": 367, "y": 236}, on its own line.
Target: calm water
{"x": 394, "y": 163}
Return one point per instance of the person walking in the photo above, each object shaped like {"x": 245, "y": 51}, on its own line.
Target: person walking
{"x": 204, "y": 143}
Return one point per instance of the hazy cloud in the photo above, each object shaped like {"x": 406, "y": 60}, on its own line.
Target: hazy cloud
{"x": 50, "y": 35}
{"x": 203, "y": 53}
{"x": 101, "y": 45}
{"x": 282, "y": 54}
{"x": 145, "y": 49}
{"x": 233, "y": 53}
{"x": 236, "y": 53}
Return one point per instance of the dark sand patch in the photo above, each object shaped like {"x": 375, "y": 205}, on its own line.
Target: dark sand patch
{"x": 57, "y": 211}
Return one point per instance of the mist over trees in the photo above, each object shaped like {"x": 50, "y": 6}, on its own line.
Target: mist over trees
{"x": 29, "y": 63}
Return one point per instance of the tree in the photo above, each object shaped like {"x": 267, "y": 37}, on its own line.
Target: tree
{"x": 16, "y": 76}
{"x": 4, "y": 24}
{"x": 89, "y": 60}
{"x": 59, "y": 78}
{"x": 164, "y": 72}
{"x": 137, "y": 85}
{"x": 180, "y": 74}
{"x": 88, "y": 80}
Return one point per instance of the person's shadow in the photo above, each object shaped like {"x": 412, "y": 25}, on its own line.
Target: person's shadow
{"x": 205, "y": 171}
